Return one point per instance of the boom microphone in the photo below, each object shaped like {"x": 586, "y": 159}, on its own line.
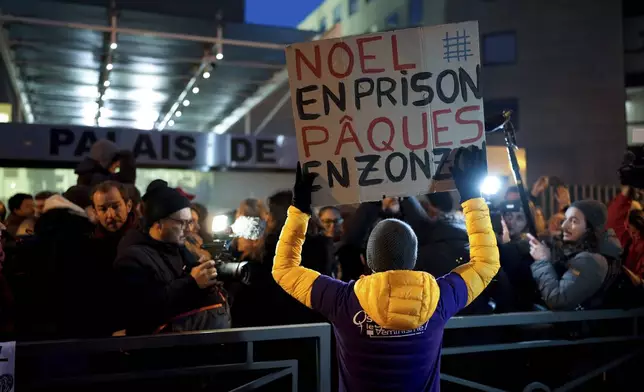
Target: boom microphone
{"x": 496, "y": 122}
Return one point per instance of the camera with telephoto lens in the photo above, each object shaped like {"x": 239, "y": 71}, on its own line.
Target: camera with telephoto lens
{"x": 229, "y": 267}
{"x": 631, "y": 172}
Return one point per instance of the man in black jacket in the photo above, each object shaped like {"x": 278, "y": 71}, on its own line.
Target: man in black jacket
{"x": 162, "y": 289}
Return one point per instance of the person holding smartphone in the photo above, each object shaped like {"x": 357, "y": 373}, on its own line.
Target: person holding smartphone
{"x": 582, "y": 264}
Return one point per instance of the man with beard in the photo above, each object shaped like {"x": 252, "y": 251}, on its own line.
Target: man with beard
{"x": 111, "y": 201}
{"x": 161, "y": 287}
{"x": 578, "y": 270}
{"x": 115, "y": 217}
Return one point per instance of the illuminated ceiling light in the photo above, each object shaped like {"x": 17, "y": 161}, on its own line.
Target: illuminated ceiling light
{"x": 170, "y": 123}
{"x": 89, "y": 120}
{"x": 146, "y": 95}
{"x": 113, "y": 46}
{"x": 90, "y": 109}
{"x": 108, "y": 94}
{"x": 178, "y": 113}
{"x": 146, "y": 116}
{"x": 105, "y": 112}
{"x": 206, "y": 75}
{"x": 145, "y": 125}
{"x": 109, "y": 67}
{"x": 106, "y": 83}
{"x": 195, "y": 90}
{"x": 219, "y": 56}
{"x": 186, "y": 102}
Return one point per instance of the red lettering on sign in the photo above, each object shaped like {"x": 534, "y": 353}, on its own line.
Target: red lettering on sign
{"x": 363, "y": 56}
{"x": 301, "y": 58}
{"x": 331, "y": 63}
{"x": 394, "y": 51}
{"x": 386, "y": 145}
{"x": 478, "y": 123}
{"x": 305, "y": 138}
{"x": 423, "y": 144}
{"x": 438, "y": 129}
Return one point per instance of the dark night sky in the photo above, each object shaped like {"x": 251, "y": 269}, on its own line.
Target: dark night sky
{"x": 279, "y": 12}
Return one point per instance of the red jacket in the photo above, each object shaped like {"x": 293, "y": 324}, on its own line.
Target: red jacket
{"x": 618, "y": 210}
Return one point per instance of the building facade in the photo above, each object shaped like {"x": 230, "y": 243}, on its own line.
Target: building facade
{"x": 558, "y": 65}
{"x": 634, "y": 68}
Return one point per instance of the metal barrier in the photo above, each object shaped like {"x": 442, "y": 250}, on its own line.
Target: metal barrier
{"x": 474, "y": 324}
{"x": 603, "y": 193}
{"x": 46, "y": 354}
{"x": 471, "y": 326}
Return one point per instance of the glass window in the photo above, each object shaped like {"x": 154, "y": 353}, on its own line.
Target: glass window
{"x": 337, "y": 14}
{"x": 392, "y": 20}
{"x": 323, "y": 25}
{"x": 495, "y": 107}
{"x": 499, "y": 48}
{"x": 415, "y": 12}
{"x": 202, "y": 184}
{"x": 353, "y": 6}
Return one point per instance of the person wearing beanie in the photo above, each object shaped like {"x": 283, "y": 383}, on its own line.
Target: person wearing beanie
{"x": 389, "y": 325}
{"x": 102, "y": 164}
{"x": 162, "y": 287}
{"x": 580, "y": 267}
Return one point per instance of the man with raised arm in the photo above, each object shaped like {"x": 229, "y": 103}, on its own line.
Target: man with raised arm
{"x": 389, "y": 325}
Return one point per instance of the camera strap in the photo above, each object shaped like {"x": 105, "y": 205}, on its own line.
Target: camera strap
{"x": 192, "y": 313}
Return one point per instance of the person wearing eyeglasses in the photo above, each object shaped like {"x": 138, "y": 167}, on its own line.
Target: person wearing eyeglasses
{"x": 332, "y": 221}
{"x": 162, "y": 286}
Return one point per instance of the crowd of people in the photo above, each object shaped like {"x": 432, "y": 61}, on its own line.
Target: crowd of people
{"x": 103, "y": 259}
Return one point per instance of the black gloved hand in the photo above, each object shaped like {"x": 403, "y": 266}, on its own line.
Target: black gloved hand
{"x": 469, "y": 171}
{"x": 302, "y": 190}
{"x": 626, "y": 172}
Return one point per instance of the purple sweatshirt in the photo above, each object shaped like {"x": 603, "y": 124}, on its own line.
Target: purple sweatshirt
{"x": 389, "y": 325}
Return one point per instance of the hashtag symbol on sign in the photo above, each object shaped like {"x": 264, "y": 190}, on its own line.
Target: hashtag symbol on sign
{"x": 457, "y": 47}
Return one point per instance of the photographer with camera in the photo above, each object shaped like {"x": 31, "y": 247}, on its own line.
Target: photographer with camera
{"x": 162, "y": 287}
{"x": 389, "y": 325}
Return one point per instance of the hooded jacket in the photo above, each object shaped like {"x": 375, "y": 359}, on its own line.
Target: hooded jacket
{"x": 389, "y": 325}
{"x": 94, "y": 169}
{"x": 53, "y": 276}
{"x": 580, "y": 278}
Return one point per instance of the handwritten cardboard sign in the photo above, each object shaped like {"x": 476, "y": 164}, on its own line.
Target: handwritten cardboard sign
{"x": 7, "y": 366}
{"x": 379, "y": 114}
